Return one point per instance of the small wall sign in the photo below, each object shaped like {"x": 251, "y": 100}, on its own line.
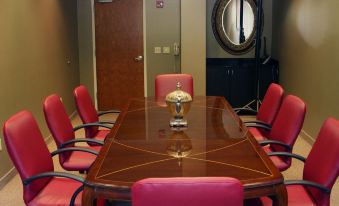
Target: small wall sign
{"x": 159, "y": 3}
{"x": 104, "y": 1}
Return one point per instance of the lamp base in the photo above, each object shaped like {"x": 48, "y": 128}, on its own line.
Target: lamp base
{"x": 178, "y": 122}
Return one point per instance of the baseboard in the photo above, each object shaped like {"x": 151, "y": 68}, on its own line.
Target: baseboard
{"x": 307, "y": 137}
{"x": 73, "y": 115}
{"x": 7, "y": 177}
{"x": 12, "y": 172}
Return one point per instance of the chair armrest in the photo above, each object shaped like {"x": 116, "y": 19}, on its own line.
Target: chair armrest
{"x": 91, "y": 125}
{"x": 269, "y": 141}
{"x": 241, "y": 110}
{"x": 75, "y": 194}
{"x": 106, "y": 122}
{"x": 257, "y": 122}
{"x": 53, "y": 174}
{"x": 72, "y": 149}
{"x": 259, "y": 126}
{"x": 82, "y": 140}
{"x": 287, "y": 154}
{"x": 308, "y": 183}
{"x": 59, "y": 174}
{"x": 108, "y": 112}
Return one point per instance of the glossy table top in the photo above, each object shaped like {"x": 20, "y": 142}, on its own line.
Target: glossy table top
{"x": 215, "y": 143}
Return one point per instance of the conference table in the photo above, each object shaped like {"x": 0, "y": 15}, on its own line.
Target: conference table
{"x": 215, "y": 143}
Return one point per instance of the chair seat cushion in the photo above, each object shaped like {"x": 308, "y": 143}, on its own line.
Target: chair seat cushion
{"x": 278, "y": 162}
{"x": 80, "y": 160}
{"x": 101, "y": 134}
{"x": 258, "y": 135}
{"x": 298, "y": 196}
{"x": 58, "y": 192}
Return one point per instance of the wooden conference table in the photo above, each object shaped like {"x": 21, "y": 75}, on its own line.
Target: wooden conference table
{"x": 215, "y": 143}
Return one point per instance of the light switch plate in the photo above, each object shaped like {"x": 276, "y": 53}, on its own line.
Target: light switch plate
{"x": 166, "y": 50}
{"x": 157, "y": 50}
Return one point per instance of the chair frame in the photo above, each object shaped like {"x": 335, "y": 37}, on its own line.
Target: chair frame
{"x": 59, "y": 174}
{"x": 300, "y": 182}
{"x": 51, "y": 173}
{"x": 98, "y": 113}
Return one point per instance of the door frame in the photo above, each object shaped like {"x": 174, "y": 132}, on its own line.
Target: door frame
{"x": 94, "y": 49}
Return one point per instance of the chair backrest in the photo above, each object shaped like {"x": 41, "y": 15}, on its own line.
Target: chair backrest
{"x": 322, "y": 164}
{"x": 289, "y": 122}
{"x": 58, "y": 123}
{"x": 28, "y": 151}
{"x": 198, "y": 191}
{"x": 166, "y": 83}
{"x": 271, "y": 103}
{"x": 86, "y": 109}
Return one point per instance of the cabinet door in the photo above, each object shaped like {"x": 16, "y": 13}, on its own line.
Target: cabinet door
{"x": 217, "y": 81}
{"x": 242, "y": 85}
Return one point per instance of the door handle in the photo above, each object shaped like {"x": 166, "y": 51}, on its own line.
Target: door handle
{"x": 138, "y": 58}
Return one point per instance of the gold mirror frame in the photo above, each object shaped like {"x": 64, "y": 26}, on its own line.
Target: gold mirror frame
{"x": 218, "y": 30}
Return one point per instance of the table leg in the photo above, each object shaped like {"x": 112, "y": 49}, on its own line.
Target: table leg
{"x": 280, "y": 199}
{"x": 87, "y": 197}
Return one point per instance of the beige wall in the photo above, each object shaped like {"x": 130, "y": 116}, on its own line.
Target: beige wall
{"x": 306, "y": 42}
{"x": 193, "y": 42}
{"x": 86, "y": 45}
{"x": 162, "y": 30}
{"x": 36, "y": 38}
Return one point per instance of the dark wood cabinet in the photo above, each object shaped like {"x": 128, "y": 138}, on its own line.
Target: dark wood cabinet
{"x": 269, "y": 73}
{"x": 235, "y": 79}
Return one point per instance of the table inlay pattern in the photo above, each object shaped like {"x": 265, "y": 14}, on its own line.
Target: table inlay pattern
{"x": 216, "y": 143}
{"x": 138, "y": 146}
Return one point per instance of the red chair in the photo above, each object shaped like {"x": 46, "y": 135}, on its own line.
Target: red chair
{"x": 199, "y": 191}
{"x": 89, "y": 114}
{"x": 269, "y": 108}
{"x": 29, "y": 153}
{"x": 63, "y": 133}
{"x": 320, "y": 171}
{"x": 166, "y": 83}
{"x": 285, "y": 130}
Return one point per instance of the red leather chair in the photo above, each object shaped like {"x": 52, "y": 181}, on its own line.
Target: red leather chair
{"x": 269, "y": 107}
{"x": 89, "y": 114}
{"x": 285, "y": 130}
{"x": 166, "y": 83}
{"x": 29, "y": 153}
{"x": 320, "y": 171}
{"x": 198, "y": 191}
{"x": 63, "y": 133}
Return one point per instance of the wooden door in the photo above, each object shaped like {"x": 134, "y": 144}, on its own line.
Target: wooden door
{"x": 119, "y": 41}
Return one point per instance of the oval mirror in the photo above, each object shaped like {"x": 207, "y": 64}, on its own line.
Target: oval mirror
{"x": 234, "y": 25}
